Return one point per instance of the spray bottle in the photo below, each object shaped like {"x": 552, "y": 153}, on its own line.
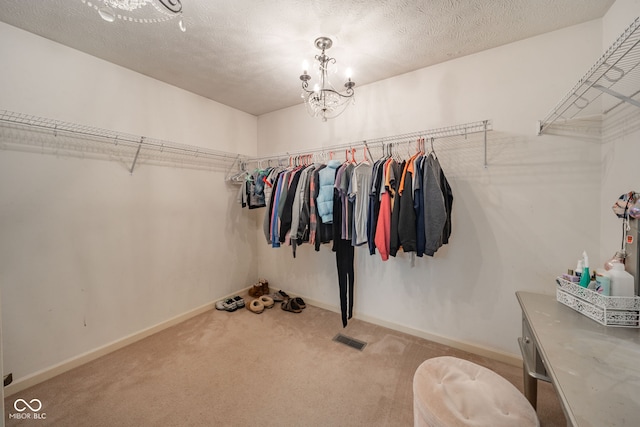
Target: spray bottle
{"x": 586, "y": 276}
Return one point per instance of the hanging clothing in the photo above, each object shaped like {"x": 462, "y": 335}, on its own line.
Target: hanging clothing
{"x": 342, "y": 247}
{"x": 438, "y": 198}
{"x": 259, "y": 178}
{"x": 387, "y": 205}
{"x": 324, "y": 202}
{"x": 343, "y": 185}
{"x": 435, "y": 212}
{"x": 418, "y": 204}
{"x": 448, "y": 204}
{"x": 407, "y": 215}
{"x": 296, "y": 207}
{"x": 287, "y": 214}
{"x": 359, "y": 194}
{"x": 324, "y": 229}
{"x": 300, "y": 210}
{"x": 374, "y": 204}
{"x": 254, "y": 187}
{"x": 344, "y": 262}
{"x": 314, "y": 185}
{"x": 275, "y": 218}
{"x": 394, "y": 183}
{"x": 271, "y": 179}
{"x": 383, "y": 227}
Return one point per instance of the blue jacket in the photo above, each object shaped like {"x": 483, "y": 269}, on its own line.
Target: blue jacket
{"x": 327, "y": 177}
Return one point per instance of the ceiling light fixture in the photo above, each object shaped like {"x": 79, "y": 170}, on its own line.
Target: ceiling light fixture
{"x": 324, "y": 100}
{"x": 132, "y": 10}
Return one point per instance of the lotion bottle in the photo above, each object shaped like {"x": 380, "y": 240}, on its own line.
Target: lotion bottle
{"x": 622, "y": 283}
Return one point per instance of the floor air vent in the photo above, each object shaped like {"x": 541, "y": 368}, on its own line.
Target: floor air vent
{"x": 351, "y": 342}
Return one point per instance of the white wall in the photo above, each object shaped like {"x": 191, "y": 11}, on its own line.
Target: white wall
{"x": 620, "y": 149}
{"x": 516, "y": 225}
{"x": 89, "y": 253}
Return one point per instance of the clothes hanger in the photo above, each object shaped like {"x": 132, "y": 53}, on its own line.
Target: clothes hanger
{"x": 394, "y": 152}
{"x": 384, "y": 151}
{"x": 419, "y": 146}
{"x": 364, "y": 154}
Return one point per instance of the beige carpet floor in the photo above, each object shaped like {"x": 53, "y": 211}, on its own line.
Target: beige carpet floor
{"x": 243, "y": 369}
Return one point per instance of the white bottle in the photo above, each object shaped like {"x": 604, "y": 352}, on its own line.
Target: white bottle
{"x": 622, "y": 283}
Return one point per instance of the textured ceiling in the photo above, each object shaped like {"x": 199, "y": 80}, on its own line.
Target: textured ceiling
{"x": 248, "y": 53}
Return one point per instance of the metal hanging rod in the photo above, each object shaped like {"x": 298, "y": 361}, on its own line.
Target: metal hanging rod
{"x": 444, "y": 132}
{"x": 610, "y": 75}
{"x": 13, "y": 119}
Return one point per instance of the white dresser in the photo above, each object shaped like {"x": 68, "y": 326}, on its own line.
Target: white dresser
{"x": 595, "y": 369}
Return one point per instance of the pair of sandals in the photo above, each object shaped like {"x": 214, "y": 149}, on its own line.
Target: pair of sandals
{"x": 294, "y": 305}
{"x": 259, "y": 304}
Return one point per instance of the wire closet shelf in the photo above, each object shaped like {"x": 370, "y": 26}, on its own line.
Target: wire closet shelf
{"x": 388, "y": 142}
{"x": 616, "y": 73}
{"x": 157, "y": 149}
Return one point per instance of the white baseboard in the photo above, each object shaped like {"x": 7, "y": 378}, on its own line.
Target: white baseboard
{"x": 74, "y": 362}
{"x": 504, "y": 357}
{"x": 48, "y": 373}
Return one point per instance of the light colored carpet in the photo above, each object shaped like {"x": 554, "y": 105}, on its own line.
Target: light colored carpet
{"x": 242, "y": 369}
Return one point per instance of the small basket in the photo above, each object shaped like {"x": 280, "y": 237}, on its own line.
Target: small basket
{"x": 608, "y": 311}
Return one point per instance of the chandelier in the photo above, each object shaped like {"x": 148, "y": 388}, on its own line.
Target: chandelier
{"x": 135, "y": 11}
{"x": 324, "y": 100}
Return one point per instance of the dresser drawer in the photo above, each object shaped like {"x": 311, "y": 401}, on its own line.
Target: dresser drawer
{"x": 530, "y": 356}
{"x": 528, "y": 344}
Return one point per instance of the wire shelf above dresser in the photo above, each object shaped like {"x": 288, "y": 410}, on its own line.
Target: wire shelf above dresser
{"x": 616, "y": 74}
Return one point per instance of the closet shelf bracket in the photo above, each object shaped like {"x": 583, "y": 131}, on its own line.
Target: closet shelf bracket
{"x": 135, "y": 158}
{"x": 615, "y": 94}
{"x": 485, "y": 124}
{"x": 615, "y": 73}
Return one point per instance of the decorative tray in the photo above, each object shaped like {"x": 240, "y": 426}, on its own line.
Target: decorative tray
{"x": 608, "y": 311}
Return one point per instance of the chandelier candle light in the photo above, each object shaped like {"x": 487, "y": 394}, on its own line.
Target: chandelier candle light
{"x": 131, "y": 10}
{"x": 324, "y": 100}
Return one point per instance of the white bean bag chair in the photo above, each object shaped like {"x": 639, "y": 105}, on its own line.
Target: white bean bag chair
{"x": 449, "y": 392}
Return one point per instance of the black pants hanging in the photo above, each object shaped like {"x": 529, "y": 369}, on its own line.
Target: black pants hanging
{"x": 344, "y": 261}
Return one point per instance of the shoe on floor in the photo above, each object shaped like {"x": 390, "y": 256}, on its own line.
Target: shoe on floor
{"x": 291, "y": 305}
{"x": 276, "y": 297}
{"x": 256, "y": 290}
{"x": 239, "y": 301}
{"x": 300, "y": 302}
{"x": 228, "y": 304}
{"x": 267, "y": 301}
{"x": 265, "y": 286}
{"x": 256, "y": 306}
